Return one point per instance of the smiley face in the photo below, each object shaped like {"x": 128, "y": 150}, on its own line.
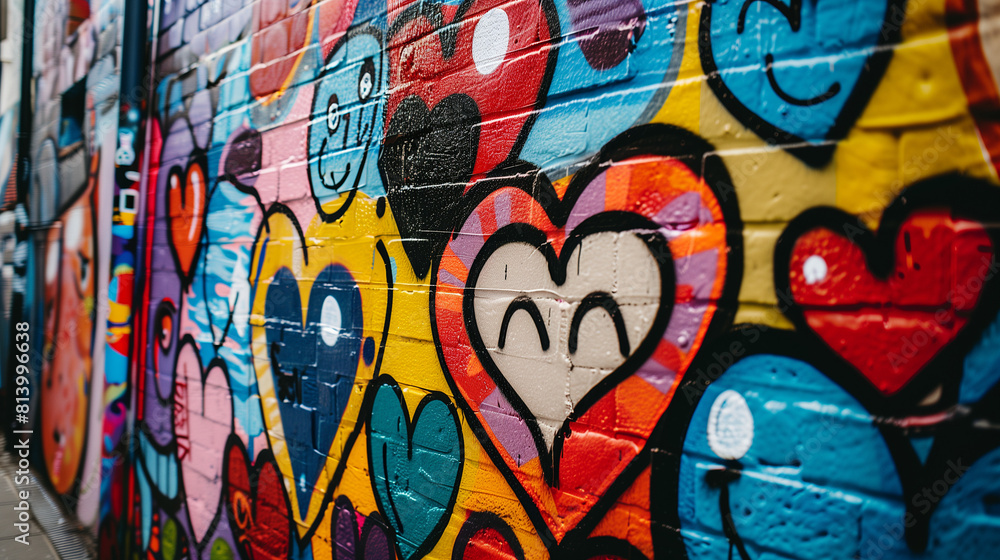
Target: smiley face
{"x": 346, "y": 125}
{"x": 796, "y": 71}
{"x": 780, "y": 461}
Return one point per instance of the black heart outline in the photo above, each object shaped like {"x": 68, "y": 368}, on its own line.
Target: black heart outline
{"x": 870, "y": 77}
{"x": 172, "y": 448}
{"x": 953, "y": 441}
{"x": 613, "y": 221}
{"x": 411, "y": 421}
{"x": 647, "y": 140}
{"x": 366, "y": 404}
{"x": 967, "y": 198}
{"x": 308, "y": 328}
{"x": 424, "y": 252}
{"x": 203, "y": 371}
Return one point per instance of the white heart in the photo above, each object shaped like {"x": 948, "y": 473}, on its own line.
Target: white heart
{"x": 551, "y": 381}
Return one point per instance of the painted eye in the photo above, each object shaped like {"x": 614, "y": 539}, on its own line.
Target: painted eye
{"x": 84, "y": 270}
{"x": 330, "y": 321}
{"x": 366, "y": 81}
{"x": 730, "y": 426}
{"x": 164, "y": 325}
{"x": 490, "y": 41}
{"x": 333, "y": 114}
{"x": 814, "y": 270}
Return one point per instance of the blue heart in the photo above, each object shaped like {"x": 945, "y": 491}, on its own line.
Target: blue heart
{"x": 797, "y": 71}
{"x": 817, "y": 480}
{"x": 415, "y": 465}
{"x": 313, "y": 365}
{"x": 815, "y": 465}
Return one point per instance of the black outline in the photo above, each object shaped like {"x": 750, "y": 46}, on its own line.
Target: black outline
{"x": 480, "y": 521}
{"x": 213, "y": 525}
{"x": 365, "y": 409}
{"x": 647, "y": 140}
{"x": 411, "y": 423}
{"x": 197, "y": 157}
{"x": 608, "y": 221}
{"x": 870, "y": 77}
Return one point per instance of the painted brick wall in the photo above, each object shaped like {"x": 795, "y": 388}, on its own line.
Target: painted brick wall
{"x": 519, "y": 278}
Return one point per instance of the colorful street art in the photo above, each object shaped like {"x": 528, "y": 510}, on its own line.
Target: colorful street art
{"x": 515, "y": 279}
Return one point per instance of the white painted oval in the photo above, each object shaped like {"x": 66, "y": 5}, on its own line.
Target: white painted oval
{"x": 333, "y": 116}
{"x": 52, "y": 262}
{"x": 365, "y": 86}
{"x": 73, "y": 229}
{"x": 814, "y": 269}
{"x": 330, "y": 321}
{"x": 490, "y": 41}
{"x": 730, "y": 426}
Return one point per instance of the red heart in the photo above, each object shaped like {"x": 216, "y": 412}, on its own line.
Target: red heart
{"x": 258, "y": 507}
{"x": 652, "y": 186}
{"x": 432, "y": 58}
{"x": 186, "y": 206}
{"x": 890, "y": 325}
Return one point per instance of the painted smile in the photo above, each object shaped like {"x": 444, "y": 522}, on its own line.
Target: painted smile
{"x": 793, "y": 14}
{"x": 328, "y": 176}
{"x": 788, "y": 98}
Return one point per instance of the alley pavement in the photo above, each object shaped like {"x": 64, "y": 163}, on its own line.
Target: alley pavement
{"x": 12, "y": 537}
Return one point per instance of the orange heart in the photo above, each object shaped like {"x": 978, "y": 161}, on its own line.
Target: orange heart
{"x": 186, "y": 205}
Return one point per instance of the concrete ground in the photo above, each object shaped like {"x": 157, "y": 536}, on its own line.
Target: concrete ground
{"x": 39, "y": 547}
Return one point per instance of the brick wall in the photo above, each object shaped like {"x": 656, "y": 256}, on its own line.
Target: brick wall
{"x": 522, "y": 278}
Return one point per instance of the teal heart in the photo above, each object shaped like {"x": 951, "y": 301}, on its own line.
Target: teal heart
{"x": 415, "y": 465}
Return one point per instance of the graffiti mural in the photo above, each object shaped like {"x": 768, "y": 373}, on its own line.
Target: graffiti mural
{"x": 75, "y": 72}
{"x": 518, "y": 279}
{"x": 837, "y": 65}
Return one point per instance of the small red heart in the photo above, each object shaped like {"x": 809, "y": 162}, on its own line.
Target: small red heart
{"x": 186, "y": 205}
{"x": 258, "y": 507}
{"x": 891, "y": 324}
